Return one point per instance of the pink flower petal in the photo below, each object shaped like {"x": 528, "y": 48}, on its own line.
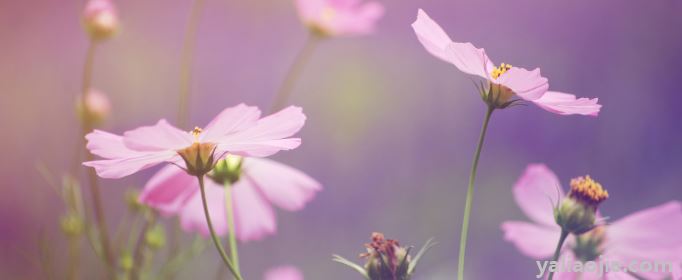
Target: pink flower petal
{"x": 340, "y": 17}
{"x": 254, "y": 217}
{"x": 192, "y": 217}
{"x": 161, "y": 136}
{"x": 465, "y": 56}
{"x": 532, "y": 240}
{"x": 567, "y": 104}
{"x": 107, "y": 145}
{"x": 121, "y": 167}
{"x": 529, "y": 85}
{"x": 229, "y": 121}
{"x": 282, "y": 185}
{"x": 536, "y": 191}
{"x": 267, "y": 137}
{"x": 283, "y": 273}
{"x": 649, "y": 234}
{"x": 169, "y": 189}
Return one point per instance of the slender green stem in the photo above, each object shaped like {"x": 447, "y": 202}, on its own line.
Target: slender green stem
{"x": 187, "y": 59}
{"x": 87, "y": 126}
{"x": 215, "y": 238}
{"x": 295, "y": 71}
{"x": 229, "y": 211}
{"x": 74, "y": 257}
{"x": 139, "y": 251}
{"x": 470, "y": 195}
{"x": 557, "y": 251}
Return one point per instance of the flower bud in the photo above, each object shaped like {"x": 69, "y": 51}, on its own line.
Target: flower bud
{"x": 96, "y": 107}
{"x": 126, "y": 261}
{"x": 155, "y": 238}
{"x": 590, "y": 245}
{"x": 132, "y": 199}
{"x": 386, "y": 259}
{"x": 100, "y": 19}
{"x": 72, "y": 225}
{"x": 577, "y": 213}
{"x": 227, "y": 170}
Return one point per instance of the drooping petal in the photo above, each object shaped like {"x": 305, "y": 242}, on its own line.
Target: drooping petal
{"x": 267, "y": 137}
{"x": 108, "y": 145}
{"x": 193, "y": 218}
{"x": 465, "y": 56}
{"x": 650, "y": 234}
{"x": 254, "y": 217}
{"x": 529, "y": 85}
{"x": 161, "y": 136}
{"x": 230, "y": 120}
{"x": 282, "y": 185}
{"x": 121, "y": 167}
{"x": 532, "y": 240}
{"x": 536, "y": 191}
{"x": 169, "y": 189}
{"x": 567, "y": 104}
{"x": 286, "y": 272}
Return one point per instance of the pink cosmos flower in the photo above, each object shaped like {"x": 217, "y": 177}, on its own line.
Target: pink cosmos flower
{"x": 283, "y": 273}
{"x": 236, "y": 130}
{"x": 339, "y": 17}
{"x": 262, "y": 182}
{"x": 647, "y": 235}
{"x": 504, "y": 81}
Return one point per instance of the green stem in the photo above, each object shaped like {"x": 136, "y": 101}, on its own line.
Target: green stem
{"x": 215, "y": 238}
{"x": 187, "y": 59}
{"x": 232, "y": 237}
{"x": 295, "y": 71}
{"x": 557, "y": 251}
{"x": 74, "y": 257}
{"x": 470, "y": 195}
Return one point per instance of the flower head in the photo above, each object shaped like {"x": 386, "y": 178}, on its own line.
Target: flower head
{"x": 260, "y": 184}
{"x": 578, "y": 212}
{"x": 100, "y": 19}
{"x": 285, "y": 272}
{"x": 96, "y": 107}
{"x": 650, "y": 234}
{"x": 236, "y": 130}
{"x": 339, "y": 17}
{"x": 504, "y": 81}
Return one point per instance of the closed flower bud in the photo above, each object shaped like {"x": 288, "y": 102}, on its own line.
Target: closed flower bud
{"x": 96, "y": 107}
{"x": 578, "y": 212}
{"x": 227, "y": 170}
{"x": 100, "y": 19}
{"x": 590, "y": 245}
{"x": 72, "y": 225}
{"x": 132, "y": 199}
{"x": 155, "y": 237}
{"x": 126, "y": 261}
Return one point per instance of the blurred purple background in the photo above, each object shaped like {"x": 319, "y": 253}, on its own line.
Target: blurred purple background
{"x": 391, "y": 129}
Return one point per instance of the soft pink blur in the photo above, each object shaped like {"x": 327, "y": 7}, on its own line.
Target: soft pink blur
{"x": 283, "y": 273}
{"x": 340, "y": 17}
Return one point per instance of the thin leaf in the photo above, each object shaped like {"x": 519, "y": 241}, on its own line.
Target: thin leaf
{"x": 358, "y": 268}
{"x": 429, "y": 243}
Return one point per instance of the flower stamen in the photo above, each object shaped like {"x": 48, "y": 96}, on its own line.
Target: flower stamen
{"x": 587, "y": 190}
{"x": 498, "y": 71}
{"x": 196, "y": 132}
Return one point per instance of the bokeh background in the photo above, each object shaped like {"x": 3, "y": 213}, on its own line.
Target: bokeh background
{"x": 391, "y": 129}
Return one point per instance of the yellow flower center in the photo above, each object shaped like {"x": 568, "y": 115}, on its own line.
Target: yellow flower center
{"x": 196, "y": 132}
{"x": 498, "y": 71}
{"x": 589, "y": 190}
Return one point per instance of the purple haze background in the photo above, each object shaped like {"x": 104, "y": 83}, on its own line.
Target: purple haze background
{"x": 391, "y": 129}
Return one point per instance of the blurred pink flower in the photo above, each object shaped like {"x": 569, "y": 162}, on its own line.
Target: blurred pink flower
{"x": 97, "y": 106}
{"x": 262, "y": 182}
{"x": 100, "y": 19}
{"x": 283, "y": 273}
{"x": 236, "y": 130}
{"x": 648, "y": 235}
{"x": 504, "y": 80}
{"x": 339, "y": 17}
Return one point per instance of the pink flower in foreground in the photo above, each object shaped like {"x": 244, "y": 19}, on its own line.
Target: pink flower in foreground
{"x": 504, "y": 81}
{"x": 339, "y": 17}
{"x": 283, "y": 273}
{"x": 236, "y": 130}
{"x": 262, "y": 182}
{"x": 647, "y": 235}
{"x": 100, "y": 19}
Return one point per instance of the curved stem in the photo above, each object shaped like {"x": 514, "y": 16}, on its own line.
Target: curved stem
{"x": 215, "y": 238}
{"x": 294, "y": 72}
{"x": 470, "y": 195}
{"x": 557, "y": 251}
{"x": 140, "y": 246}
{"x": 87, "y": 126}
{"x": 229, "y": 211}
{"x": 187, "y": 60}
